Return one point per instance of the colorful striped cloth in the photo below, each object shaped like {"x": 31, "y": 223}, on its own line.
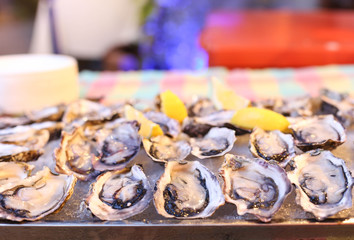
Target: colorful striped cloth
{"x": 252, "y": 84}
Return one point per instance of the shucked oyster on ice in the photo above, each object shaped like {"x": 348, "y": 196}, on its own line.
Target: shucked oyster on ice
{"x": 317, "y": 132}
{"x": 216, "y": 142}
{"x": 35, "y": 197}
{"x": 323, "y": 183}
{"x": 272, "y": 145}
{"x": 117, "y": 195}
{"x": 164, "y": 149}
{"x": 254, "y": 185}
{"x": 187, "y": 190}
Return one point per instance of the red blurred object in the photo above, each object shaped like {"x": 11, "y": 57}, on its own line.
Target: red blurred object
{"x": 259, "y": 39}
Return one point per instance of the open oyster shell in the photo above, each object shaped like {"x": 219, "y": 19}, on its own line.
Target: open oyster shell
{"x": 35, "y": 197}
{"x": 11, "y": 172}
{"x": 164, "y": 149}
{"x": 168, "y": 125}
{"x": 10, "y": 152}
{"x": 118, "y": 195}
{"x": 317, "y": 132}
{"x": 272, "y": 145}
{"x": 75, "y": 155}
{"x": 254, "y": 185}
{"x": 216, "y": 142}
{"x": 200, "y": 107}
{"x": 187, "y": 190}
{"x": 323, "y": 183}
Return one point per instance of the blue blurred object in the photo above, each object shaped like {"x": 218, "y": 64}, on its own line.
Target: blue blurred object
{"x": 171, "y": 35}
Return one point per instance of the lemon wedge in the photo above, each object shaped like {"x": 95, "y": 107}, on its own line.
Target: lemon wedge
{"x": 225, "y": 98}
{"x": 147, "y": 128}
{"x": 172, "y": 106}
{"x": 268, "y": 120}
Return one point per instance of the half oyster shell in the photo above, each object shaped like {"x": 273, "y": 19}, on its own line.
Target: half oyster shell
{"x": 10, "y": 152}
{"x": 11, "y": 172}
{"x": 120, "y": 194}
{"x": 272, "y": 145}
{"x": 164, "y": 149}
{"x": 35, "y": 197}
{"x": 200, "y": 107}
{"x": 187, "y": 190}
{"x": 254, "y": 185}
{"x": 76, "y": 154}
{"x": 317, "y": 132}
{"x": 168, "y": 125}
{"x": 216, "y": 142}
{"x": 323, "y": 183}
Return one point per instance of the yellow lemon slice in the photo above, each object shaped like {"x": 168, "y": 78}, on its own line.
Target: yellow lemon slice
{"x": 225, "y": 98}
{"x": 268, "y": 120}
{"x": 147, "y": 128}
{"x": 172, "y": 106}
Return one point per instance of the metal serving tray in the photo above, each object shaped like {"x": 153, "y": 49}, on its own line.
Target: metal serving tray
{"x": 75, "y": 221}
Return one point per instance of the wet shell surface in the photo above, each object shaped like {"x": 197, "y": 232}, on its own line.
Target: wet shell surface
{"x": 317, "y": 132}
{"x": 254, "y": 186}
{"x": 35, "y": 197}
{"x": 216, "y": 142}
{"x": 168, "y": 125}
{"x": 323, "y": 183}
{"x": 10, "y": 152}
{"x": 187, "y": 190}
{"x": 272, "y": 145}
{"x": 164, "y": 149}
{"x": 117, "y": 195}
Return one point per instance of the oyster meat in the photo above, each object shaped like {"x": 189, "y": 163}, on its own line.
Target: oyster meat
{"x": 11, "y": 172}
{"x": 118, "y": 145}
{"x": 76, "y": 154}
{"x": 117, "y": 195}
{"x": 272, "y": 145}
{"x": 323, "y": 183}
{"x": 340, "y": 105}
{"x": 254, "y": 185}
{"x": 169, "y": 126}
{"x": 35, "y": 197}
{"x": 164, "y": 149}
{"x": 216, "y": 142}
{"x": 200, "y": 107}
{"x": 317, "y": 132}
{"x": 187, "y": 190}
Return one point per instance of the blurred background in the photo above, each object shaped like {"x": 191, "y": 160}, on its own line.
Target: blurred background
{"x": 175, "y": 34}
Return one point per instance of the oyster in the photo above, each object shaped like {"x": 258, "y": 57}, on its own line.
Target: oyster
{"x": 323, "y": 183}
{"x": 168, "y": 125}
{"x": 187, "y": 190}
{"x": 293, "y": 107}
{"x": 317, "y": 132}
{"x": 35, "y": 139}
{"x": 52, "y": 113}
{"x": 272, "y": 145}
{"x": 76, "y": 154}
{"x": 201, "y": 107}
{"x": 35, "y": 197}
{"x": 163, "y": 149}
{"x": 216, "y": 142}
{"x": 14, "y": 171}
{"x": 120, "y": 194}
{"x": 10, "y": 152}
{"x": 118, "y": 145}
{"x": 8, "y": 121}
{"x": 254, "y": 185}
{"x": 82, "y": 111}
{"x": 340, "y": 105}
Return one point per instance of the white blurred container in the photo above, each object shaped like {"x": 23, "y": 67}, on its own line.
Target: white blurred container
{"x": 33, "y": 81}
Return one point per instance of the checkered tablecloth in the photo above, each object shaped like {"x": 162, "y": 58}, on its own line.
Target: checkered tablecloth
{"x": 252, "y": 84}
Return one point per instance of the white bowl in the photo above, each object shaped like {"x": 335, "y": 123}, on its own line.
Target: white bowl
{"x": 33, "y": 81}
